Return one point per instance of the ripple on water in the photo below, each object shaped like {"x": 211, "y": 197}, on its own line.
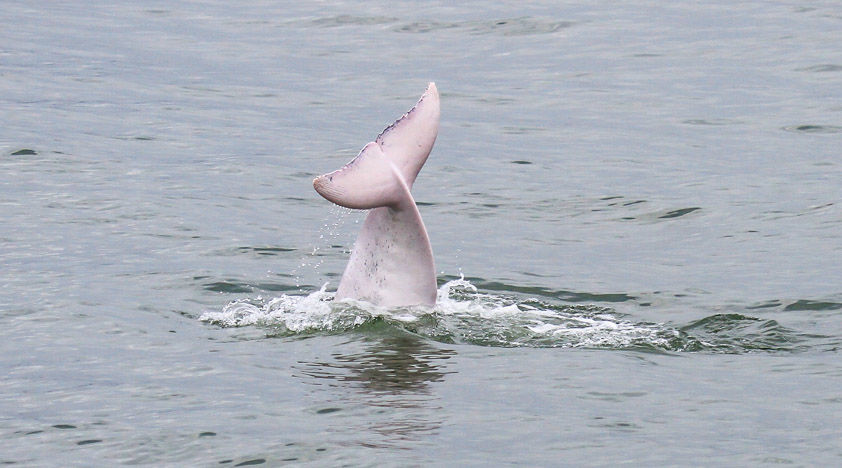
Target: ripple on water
{"x": 519, "y": 26}
{"x": 805, "y": 304}
{"x": 24, "y": 152}
{"x": 823, "y": 68}
{"x": 514, "y": 26}
{"x": 736, "y": 333}
{"x": 812, "y": 128}
{"x": 712, "y": 122}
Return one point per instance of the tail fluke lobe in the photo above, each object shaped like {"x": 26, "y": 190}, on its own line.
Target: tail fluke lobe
{"x": 383, "y": 172}
{"x": 410, "y": 139}
{"x": 370, "y": 180}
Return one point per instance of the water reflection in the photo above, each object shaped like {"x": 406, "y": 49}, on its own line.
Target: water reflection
{"x": 391, "y": 381}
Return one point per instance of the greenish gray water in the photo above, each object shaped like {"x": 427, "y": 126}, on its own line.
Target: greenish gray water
{"x": 635, "y": 210}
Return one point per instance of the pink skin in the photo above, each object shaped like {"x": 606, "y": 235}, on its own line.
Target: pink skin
{"x": 391, "y": 264}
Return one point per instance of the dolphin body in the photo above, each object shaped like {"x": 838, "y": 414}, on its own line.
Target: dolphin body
{"x": 391, "y": 264}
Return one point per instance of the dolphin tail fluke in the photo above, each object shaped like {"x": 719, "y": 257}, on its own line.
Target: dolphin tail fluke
{"x": 383, "y": 172}
{"x": 369, "y": 181}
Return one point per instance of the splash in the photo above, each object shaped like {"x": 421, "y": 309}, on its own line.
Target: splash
{"x": 296, "y": 314}
{"x": 329, "y": 234}
{"x": 467, "y": 315}
{"x": 462, "y": 315}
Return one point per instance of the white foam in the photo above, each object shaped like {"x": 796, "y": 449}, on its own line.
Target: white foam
{"x": 461, "y": 314}
{"x": 296, "y": 313}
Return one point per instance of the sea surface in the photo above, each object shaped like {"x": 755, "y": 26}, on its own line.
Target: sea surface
{"x": 635, "y": 208}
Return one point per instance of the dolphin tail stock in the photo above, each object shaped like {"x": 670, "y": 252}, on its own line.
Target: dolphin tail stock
{"x": 385, "y": 169}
